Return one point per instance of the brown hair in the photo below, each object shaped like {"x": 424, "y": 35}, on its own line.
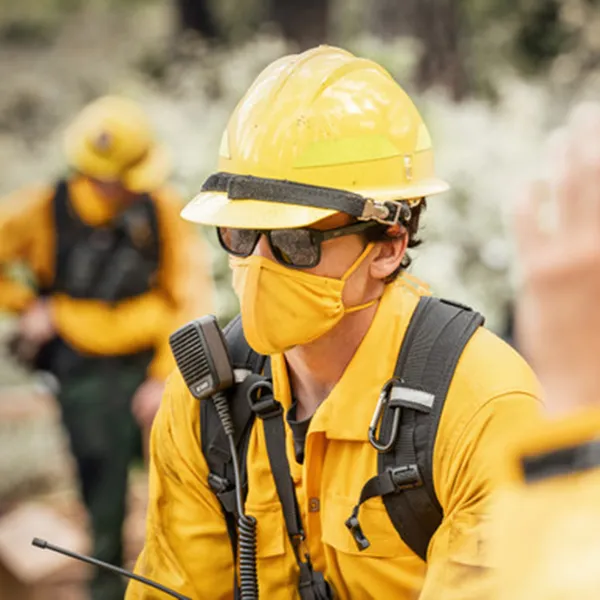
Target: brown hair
{"x": 381, "y": 233}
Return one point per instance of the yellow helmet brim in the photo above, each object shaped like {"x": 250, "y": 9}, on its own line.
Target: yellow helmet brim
{"x": 110, "y": 117}
{"x": 145, "y": 176}
{"x": 216, "y": 209}
{"x": 151, "y": 172}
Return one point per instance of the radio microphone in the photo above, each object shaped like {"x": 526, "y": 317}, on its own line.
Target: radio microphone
{"x": 200, "y": 351}
{"x": 201, "y": 355}
{"x": 44, "y": 545}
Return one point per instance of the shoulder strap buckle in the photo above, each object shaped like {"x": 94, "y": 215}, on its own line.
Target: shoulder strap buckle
{"x": 218, "y": 484}
{"x": 362, "y": 543}
{"x": 405, "y": 477}
{"x": 262, "y": 401}
{"x": 225, "y": 492}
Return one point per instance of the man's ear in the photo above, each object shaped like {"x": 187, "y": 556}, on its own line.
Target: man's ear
{"x": 389, "y": 255}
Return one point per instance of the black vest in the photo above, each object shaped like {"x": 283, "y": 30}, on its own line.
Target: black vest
{"x": 110, "y": 263}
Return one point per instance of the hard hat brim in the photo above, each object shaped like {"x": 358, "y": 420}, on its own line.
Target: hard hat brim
{"x": 150, "y": 173}
{"x": 216, "y": 209}
{"x": 145, "y": 176}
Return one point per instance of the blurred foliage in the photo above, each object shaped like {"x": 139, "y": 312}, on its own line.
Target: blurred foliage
{"x": 525, "y": 62}
{"x": 530, "y": 58}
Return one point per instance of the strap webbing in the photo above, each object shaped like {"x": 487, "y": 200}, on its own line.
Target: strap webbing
{"x": 248, "y": 187}
{"x": 271, "y": 413}
{"x": 439, "y": 331}
{"x": 311, "y": 584}
{"x": 433, "y": 343}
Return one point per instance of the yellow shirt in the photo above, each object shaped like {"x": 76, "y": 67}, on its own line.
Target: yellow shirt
{"x": 187, "y": 547}
{"x": 184, "y": 287}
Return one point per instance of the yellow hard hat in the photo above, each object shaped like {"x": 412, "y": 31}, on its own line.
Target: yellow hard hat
{"x": 112, "y": 139}
{"x": 318, "y": 133}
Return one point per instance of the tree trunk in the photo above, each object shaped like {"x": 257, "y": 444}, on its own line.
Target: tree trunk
{"x": 438, "y": 26}
{"x": 195, "y": 15}
{"x": 302, "y": 21}
{"x": 442, "y": 61}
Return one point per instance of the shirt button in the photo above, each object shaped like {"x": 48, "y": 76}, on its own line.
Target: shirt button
{"x": 314, "y": 505}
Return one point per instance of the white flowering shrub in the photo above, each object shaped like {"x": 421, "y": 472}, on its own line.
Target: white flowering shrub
{"x": 486, "y": 151}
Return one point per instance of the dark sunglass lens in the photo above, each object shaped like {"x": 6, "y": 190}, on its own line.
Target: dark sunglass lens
{"x": 238, "y": 241}
{"x": 295, "y": 247}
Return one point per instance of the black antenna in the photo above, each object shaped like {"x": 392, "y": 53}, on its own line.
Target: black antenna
{"x": 44, "y": 545}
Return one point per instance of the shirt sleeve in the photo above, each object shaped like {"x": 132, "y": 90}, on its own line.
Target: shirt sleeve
{"x": 25, "y": 238}
{"x": 187, "y": 547}
{"x": 468, "y": 463}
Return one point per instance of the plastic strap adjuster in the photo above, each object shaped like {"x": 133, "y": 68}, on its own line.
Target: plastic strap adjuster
{"x": 406, "y": 477}
{"x": 218, "y": 484}
{"x": 261, "y": 400}
{"x": 224, "y": 490}
{"x": 362, "y": 543}
{"x": 267, "y": 407}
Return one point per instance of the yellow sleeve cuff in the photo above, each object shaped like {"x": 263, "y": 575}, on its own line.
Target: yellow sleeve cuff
{"x": 15, "y": 296}
{"x": 94, "y": 327}
{"x": 553, "y": 436}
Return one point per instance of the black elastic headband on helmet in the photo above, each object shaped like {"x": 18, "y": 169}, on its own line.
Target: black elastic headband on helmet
{"x": 248, "y": 187}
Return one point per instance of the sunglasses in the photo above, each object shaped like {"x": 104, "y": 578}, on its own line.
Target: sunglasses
{"x": 296, "y": 248}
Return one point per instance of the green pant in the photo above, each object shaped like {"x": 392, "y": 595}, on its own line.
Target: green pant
{"x": 96, "y": 411}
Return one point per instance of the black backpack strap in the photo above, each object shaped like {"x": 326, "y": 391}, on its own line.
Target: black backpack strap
{"x": 242, "y": 356}
{"x": 151, "y": 213}
{"x": 311, "y": 584}
{"x": 215, "y": 448}
{"x": 67, "y": 226}
{"x": 409, "y": 411}
{"x": 214, "y": 443}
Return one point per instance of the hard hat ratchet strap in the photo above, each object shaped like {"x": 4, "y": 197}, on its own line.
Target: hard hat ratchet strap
{"x": 248, "y": 187}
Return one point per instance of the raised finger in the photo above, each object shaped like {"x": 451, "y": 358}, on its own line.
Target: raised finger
{"x": 584, "y": 170}
{"x": 563, "y": 177}
{"x": 531, "y": 233}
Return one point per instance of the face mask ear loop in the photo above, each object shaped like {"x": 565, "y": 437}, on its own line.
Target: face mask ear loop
{"x": 351, "y": 270}
{"x": 358, "y": 261}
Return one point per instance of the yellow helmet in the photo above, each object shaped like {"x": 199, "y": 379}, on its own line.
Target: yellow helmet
{"x": 318, "y": 133}
{"x": 112, "y": 139}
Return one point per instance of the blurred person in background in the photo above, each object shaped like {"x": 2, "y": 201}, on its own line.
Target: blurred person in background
{"x": 547, "y": 521}
{"x": 323, "y": 169}
{"x": 112, "y": 267}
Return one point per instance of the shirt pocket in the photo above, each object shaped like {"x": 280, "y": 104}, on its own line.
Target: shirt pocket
{"x": 385, "y": 541}
{"x": 270, "y": 530}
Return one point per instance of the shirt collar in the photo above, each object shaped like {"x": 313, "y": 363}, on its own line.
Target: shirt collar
{"x": 347, "y": 411}
{"x": 91, "y": 207}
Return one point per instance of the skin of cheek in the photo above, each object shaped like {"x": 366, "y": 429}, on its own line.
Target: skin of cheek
{"x": 111, "y": 191}
{"x": 337, "y": 256}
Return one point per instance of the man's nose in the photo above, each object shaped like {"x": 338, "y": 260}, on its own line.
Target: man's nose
{"x": 262, "y": 248}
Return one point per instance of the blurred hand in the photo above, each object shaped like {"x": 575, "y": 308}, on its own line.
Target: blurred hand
{"x": 146, "y": 402}
{"x": 558, "y": 310}
{"x": 36, "y": 326}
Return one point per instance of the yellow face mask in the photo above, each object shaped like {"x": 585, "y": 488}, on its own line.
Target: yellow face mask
{"x": 282, "y": 307}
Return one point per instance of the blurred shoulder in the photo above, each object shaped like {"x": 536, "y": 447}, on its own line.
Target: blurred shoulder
{"x": 28, "y": 198}
{"x": 490, "y": 367}
{"x": 167, "y": 198}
